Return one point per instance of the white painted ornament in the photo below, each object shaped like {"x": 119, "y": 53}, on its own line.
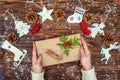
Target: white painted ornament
{"x": 77, "y": 17}
{"x": 105, "y": 51}
{"x": 22, "y": 28}
{"x": 97, "y": 28}
{"x": 45, "y": 14}
{"x": 19, "y": 55}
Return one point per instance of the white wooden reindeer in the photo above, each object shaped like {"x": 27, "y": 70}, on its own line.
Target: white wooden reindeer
{"x": 105, "y": 51}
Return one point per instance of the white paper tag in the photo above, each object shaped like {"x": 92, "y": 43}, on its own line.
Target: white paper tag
{"x": 77, "y": 17}
{"x": 19, "y": 55}
{"x": 105, "y": 51}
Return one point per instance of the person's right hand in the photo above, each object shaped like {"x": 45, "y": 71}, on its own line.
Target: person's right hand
{"x": 85, "y": 57}
{"x": 36, "y": 60}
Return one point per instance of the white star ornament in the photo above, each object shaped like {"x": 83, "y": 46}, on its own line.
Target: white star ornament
{"x": 45, "y": 14}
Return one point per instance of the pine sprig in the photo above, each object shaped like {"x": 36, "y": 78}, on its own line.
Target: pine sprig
{"x": 66, "y": 44}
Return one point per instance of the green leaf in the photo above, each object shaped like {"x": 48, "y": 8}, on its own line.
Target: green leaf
{"x": 76, "y": 41}
{"x": 61, "y": 45}
{"x": 63, "y": 38}
{"x": 70, "y": 40}
{"x": 66, "y": 49}
{"x": 66, "y": 52}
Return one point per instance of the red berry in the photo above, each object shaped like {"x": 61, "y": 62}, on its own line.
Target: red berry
{"x": 67, "y": 43}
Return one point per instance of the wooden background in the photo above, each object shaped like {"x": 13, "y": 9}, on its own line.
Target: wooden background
{"x": 55, "y": 28}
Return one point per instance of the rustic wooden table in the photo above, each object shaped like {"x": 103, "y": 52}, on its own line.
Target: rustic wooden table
{"x": 55, "y": 28}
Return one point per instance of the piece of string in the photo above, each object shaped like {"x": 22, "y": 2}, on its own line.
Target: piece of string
{"x": 58, "y": 62}
{"x": 80, "y": 3}
{"x": 93, "y": 2}
{"x": 108, "y": 12}
{"x": 32, "y": 2}
{"x": 11, "y": 14}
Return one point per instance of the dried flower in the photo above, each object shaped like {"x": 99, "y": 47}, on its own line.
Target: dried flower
{"x": 108, "y": 39}
{"x": 31, "y": 17}
{"x": 54, "y": 55}
{"x": 88, "y": 18}
{"x": 59, "y": 14}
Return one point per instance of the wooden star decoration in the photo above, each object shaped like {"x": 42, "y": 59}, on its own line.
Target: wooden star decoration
{"x": 45, "y": 14}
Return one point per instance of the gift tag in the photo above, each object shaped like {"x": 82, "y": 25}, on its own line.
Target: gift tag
{"x": 19, "y": 55}
{"x": 77, "y": 17}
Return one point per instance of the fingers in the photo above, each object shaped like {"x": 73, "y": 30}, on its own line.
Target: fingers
{"x": 39, "y": 59}
{"x": 84, "y": 44}
{"x": 85, "y": 48}
{"x": 82, "y": 52}
{"x": 34, "y": 52}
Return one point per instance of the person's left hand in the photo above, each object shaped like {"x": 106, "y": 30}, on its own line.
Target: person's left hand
{"x": 85, "y": 56}
{"x": 36, "y": 60}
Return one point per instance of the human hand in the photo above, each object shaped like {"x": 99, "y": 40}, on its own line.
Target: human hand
{"x": 36, "y": 60}
{"x": 85, "y": 57}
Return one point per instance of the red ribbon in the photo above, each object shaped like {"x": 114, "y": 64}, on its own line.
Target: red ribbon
{"x": 84, "y": 28}
{"x": 36, "y": 28}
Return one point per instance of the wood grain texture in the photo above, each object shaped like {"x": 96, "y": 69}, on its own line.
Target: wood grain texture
{"x": 55, "y": 28}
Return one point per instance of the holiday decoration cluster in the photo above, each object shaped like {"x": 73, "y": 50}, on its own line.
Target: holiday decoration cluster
{"x": 80, "y": 16}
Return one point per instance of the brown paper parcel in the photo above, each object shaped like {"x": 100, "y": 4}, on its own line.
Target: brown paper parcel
{"x": 47, "y": 60}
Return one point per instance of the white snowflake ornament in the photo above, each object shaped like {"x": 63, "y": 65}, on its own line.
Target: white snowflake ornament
{"x": 45, "y": 14}
{"x": 22, "y": 28}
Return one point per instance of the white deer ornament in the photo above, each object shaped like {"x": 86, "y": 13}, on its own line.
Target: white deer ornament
{"x": 105, "y": 51}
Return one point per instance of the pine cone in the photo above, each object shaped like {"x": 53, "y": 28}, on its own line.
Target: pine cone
{"x": 88, "y": 18}
{"x": 12, "y": 37}
{"x": 1, "y": 16}
{"x": 31, "y": 17}
{"x": 108, "y": 39}
{"x": 59, "y": 14}
{"x": 117, "y": 2}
